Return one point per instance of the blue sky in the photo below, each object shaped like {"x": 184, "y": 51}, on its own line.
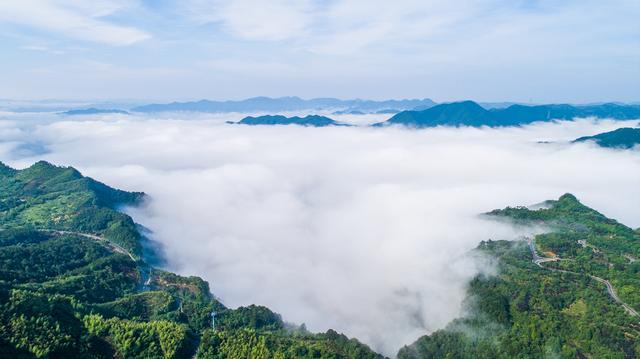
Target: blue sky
{"x": 489, "y": 50}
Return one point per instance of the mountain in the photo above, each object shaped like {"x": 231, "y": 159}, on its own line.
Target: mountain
{"x": 311, "y": 120}
{"x": 36, "y": 106}
{"x": 349, "y": 112}
{"x": 621, "y": 138}
{"x": 573, "y": 292}
{"x": 453, "y": 114}
{"x": 387, "y": 111}
{"x": 469, "y": 113}
{"x": 93, "y": 111}
{"x": 46, "y": 196}
{"x": 74, "y": 283}
{"x": 281, "y": 104}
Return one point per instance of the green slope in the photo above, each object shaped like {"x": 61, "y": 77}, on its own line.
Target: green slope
{"x": 625, "y": 137}
{"x": 556, "y": 309}
{"x": 73, "y": 284}
{"x": 47, "y": 197}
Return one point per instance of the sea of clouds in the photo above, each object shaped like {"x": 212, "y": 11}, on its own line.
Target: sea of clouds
{"x": 364, "y": 230}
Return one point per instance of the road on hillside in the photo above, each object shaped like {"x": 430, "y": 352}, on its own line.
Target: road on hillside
{"x": 610, "y": 289}
{"x": 614, "y": 295}
{"x": 113, "y": 246}
{"x": 145, "y": 269}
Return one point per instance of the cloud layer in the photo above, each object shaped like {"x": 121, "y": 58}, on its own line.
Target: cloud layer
{"x": 363, "y": 230}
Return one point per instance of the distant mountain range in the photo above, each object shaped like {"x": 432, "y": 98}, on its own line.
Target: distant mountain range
{"x": 311, "y": 120}
{"x": 351, "y": 112}
{"x": 93, "y": 111}
{"x": 267, "y": 104}
{"x": 26, "y": 106}
{"x": 621, "y": 138}
{"x": 469, "y": 113}
{"x": 261, "y": 105}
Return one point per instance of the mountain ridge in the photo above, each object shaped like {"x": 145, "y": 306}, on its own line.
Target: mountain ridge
{"x": 282, "y": 104}
{"x": 309, "y": 120}
{"x": 93, "y": 111}
{"x": 625, "y": 138}
{"x": 470, "y": 113}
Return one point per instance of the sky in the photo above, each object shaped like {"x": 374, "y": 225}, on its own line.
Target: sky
{"x": 371, "y": 236}
{"x": 486, "y": 50}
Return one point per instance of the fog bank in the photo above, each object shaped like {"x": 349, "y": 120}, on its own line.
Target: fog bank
{"x": 364, "y": 230}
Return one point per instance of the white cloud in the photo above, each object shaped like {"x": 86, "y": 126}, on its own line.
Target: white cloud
{"x": 353, "y": 25}
{"x": 346, "y": 26}
{"x": 73, "y": 18}
{"x": 41, "y": 48}
{"x": 272, "y": 20}
{"x": 343, "y": 26}
{"x": 359, "y": 229}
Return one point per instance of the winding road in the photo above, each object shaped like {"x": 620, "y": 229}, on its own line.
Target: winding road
{"x": 144, "y": 268}
{"x": 610, "y": 289}
{"x": 614, "y": 295}
{"x": 114, "y": 247}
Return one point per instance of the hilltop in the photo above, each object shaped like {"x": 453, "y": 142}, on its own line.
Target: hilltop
{"x": 572, "y": 292}
{"x": 469, "y": 113}
{"x": 621, "y": 138}
{"x": 311, "y": 120}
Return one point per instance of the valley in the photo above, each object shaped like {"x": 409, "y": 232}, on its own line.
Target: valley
{"x": 78, "y": 286}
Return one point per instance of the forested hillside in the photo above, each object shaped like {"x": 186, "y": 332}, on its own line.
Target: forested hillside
{"x": 569, "y": 293}
{"x": 74, "y": 284}
{"x": 625, "y": 137}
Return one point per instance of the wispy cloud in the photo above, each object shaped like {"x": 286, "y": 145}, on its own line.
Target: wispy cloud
{"x": 569, "y": 51}
{"x": 272, "y": 20}
{"x": 41, "y": 48}
{"x": 83, "y": 20}
{"x": 350, "y": 25}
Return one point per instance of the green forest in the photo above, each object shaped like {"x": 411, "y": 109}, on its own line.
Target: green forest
{"x": 74, "y": 283}
{"x": 556, "y": 309}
